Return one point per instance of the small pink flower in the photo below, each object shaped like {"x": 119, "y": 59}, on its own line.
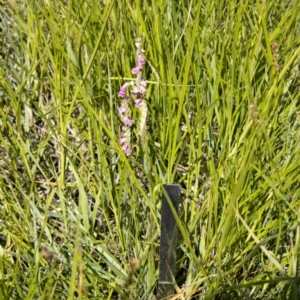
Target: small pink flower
{"x": 135, "y": 90}
{"x": 135, "y": 71}
{"x": 122, "y": 140}
{"x": 141, "y": 61}
{"x": 121, "y": 109}
{"x": 128, "y": 121}
{"x": 126, "y": 149}
{"x": 122, "y": 91}
{"x": 143, "y": 90}
{"x": 138, "y": 90}
{"x": 138, "y": 103}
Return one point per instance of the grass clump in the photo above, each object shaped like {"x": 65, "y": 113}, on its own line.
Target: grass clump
{"x": 80, "y": 217}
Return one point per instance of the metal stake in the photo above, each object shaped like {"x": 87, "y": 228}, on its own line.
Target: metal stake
{"x": 168, "y": 240}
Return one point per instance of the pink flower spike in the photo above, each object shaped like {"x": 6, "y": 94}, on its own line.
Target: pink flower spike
{"x": 122, "y": 140}
{"x": 135, "y": 71}
{"x": 128, "y": 121}
{"x": 138, "y": 103}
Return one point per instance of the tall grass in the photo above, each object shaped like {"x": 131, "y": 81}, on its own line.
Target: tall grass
{"x": 79, "y": 218}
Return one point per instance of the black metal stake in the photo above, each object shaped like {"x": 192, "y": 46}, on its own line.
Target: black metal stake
{"x": 168, "y": 241}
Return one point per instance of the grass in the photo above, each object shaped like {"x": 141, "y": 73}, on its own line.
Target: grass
{"x": 79, "y": 219}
